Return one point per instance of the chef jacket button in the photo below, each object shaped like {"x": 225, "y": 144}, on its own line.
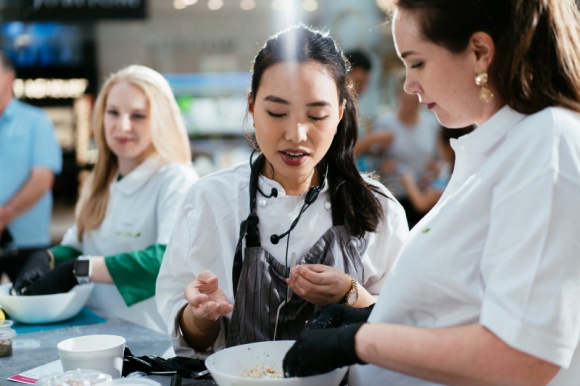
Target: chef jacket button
{"x": 262, "y": 202}
{"x": 327, "y": 205}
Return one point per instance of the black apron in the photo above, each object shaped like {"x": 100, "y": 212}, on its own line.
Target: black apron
{"x": 259, "y": 280}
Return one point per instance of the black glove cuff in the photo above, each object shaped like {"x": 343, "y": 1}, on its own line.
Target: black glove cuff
{"x": 346, "y": 339}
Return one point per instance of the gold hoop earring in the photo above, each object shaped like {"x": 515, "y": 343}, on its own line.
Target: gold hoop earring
{"x": 485, "y": 94}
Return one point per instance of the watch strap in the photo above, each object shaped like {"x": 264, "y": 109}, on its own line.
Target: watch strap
{"x": 353, "y": 290}
{"x": 82, "y": 269}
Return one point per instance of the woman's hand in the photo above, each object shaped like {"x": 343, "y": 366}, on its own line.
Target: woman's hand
{"x": 206, "y": 304}
{"x": 206, "y": 298}
{"x": 319, "y": 284}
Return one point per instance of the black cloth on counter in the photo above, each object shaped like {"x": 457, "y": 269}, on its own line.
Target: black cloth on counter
{"x": 152, "y": 364}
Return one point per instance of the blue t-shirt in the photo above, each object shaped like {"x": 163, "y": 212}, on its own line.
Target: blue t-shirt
{"x": 27, "y": 140}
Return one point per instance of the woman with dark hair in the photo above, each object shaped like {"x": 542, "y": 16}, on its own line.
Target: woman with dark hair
{"x": 226, "y": 276}
{"x": 486, "y": 287}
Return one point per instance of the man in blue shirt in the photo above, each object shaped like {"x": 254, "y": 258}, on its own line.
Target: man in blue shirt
{"x": 30, "y": 156}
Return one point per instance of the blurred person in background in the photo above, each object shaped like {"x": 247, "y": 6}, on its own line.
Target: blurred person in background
{"x": 30, "y": 156}
{"x": 128, "y": 204}
{"x": 486, "y": 288}
{"x": 423, "y": 198}
{"x": 300, "y": 201}
{"x": 403, "y": 142}
{"x": 359, "y": 76}
{"x": 360, "y": 70}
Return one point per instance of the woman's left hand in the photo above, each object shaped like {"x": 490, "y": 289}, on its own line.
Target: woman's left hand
{"x": 319, "y": 284}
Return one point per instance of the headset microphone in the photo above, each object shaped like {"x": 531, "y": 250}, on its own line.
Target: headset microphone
{"x": 273, "y": 193}
{"x": 311, "y": 196}
{"x": 275, "y": 238}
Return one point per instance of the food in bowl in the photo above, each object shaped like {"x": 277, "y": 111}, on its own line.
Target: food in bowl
{"x": 262, "y": 371}
{"x": 40, "y": 309}
{"x": 226, "y": 366}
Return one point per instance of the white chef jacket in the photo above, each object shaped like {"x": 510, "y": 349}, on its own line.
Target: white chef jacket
{"x": 141, "y": 211}
{"x": 207, "y": 229}
{"x": 501, "y": 248}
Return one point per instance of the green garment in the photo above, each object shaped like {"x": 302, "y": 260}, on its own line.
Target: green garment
{"x": 124, "y": 268}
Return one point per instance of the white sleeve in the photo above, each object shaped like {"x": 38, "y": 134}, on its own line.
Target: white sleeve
{"x": 194, "y": 245}
{"x": 176, "y": 180}
{"x": 70, "y": 239}
{"x": 531, "y": 265}
{"x": 384, "y": 244}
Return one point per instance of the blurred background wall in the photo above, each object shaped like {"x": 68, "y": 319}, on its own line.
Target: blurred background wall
{"x": 64, "y": 49}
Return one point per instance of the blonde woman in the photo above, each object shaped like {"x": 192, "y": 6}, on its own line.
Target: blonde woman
{"x": 128, "y": 205}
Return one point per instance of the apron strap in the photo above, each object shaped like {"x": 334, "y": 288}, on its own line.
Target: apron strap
{"x": 249, "y": 227}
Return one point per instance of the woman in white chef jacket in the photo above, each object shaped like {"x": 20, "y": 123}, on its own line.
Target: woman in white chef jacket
{"x": 299, "y": 201}
{"x": 128, "y": 204}
{"x": 486, "y": 289}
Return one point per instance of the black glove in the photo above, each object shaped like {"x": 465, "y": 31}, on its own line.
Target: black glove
{"x": 151, "y": 364}
{"x": 338, "y": 315}
{"x": 5, "y": 238}
{"x": 320, "y": 351}
{"x": 60, "y": 279}
{"x": 37, "y": 264}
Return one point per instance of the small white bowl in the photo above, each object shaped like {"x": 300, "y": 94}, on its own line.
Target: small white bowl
{"x": 40, "y": 309}
{"x": 103, "y": 353}
{"x": 226, "y": 366}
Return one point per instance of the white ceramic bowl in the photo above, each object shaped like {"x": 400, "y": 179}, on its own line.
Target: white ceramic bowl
{"x": 103, "y": 353}
{"x": 226, "y": 366}
{"x": 42, "y": 309}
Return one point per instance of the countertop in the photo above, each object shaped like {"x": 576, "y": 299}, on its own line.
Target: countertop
{"x": 33, "y": 349}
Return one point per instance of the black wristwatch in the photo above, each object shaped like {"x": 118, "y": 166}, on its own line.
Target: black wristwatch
{"x": 82, "y": 269}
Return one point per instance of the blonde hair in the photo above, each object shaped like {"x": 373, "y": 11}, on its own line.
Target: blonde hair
{"x": 168, "y": 134}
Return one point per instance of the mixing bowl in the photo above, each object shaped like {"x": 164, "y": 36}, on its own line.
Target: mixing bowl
{"x": 41, "y": 309}
{"x": 226, "y": 366}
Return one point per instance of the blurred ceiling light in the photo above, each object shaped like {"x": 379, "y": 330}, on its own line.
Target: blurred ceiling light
{"x": 385, "y": 5}
{"x": 247, "y": 5}
{"x": 215, "y": 4}
{"x": 190, "y": 2}
{"x": 179, "y": 4}
{"x": 310, "y": 5}
{"x": 281, "y": 5}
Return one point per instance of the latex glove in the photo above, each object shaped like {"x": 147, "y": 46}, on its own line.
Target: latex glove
{"x": 320, "y": 351}
{"x": 38, "y": 264}
{"x": 338, "y": 315}
{"x": 60, "y": 279}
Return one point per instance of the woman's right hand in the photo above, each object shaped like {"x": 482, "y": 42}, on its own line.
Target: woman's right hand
{"x": 206, "y": 298}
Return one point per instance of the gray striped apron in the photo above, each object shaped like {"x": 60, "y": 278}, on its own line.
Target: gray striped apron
{"x": 262, "y": 287}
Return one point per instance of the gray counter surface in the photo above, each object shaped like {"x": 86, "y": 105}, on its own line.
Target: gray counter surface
{"x": 38, "y": 348}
